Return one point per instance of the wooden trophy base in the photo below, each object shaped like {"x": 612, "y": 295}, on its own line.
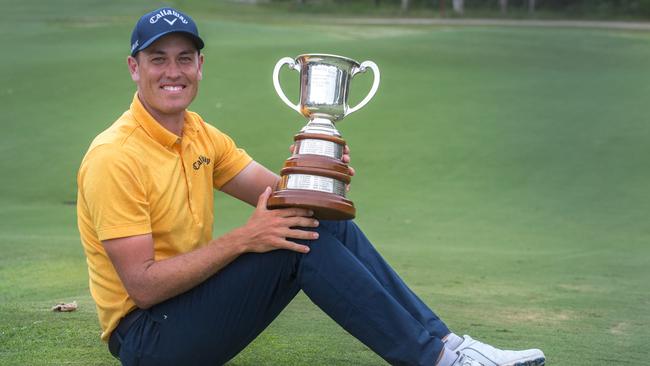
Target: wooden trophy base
{"x": 314, "y": 181}
{"x": 326, "y": 206}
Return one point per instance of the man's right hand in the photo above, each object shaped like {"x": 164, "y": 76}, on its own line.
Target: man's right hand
{"x": 268, "y": 230}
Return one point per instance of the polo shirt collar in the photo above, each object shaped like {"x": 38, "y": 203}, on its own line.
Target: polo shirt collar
{"x": 151, "y": 126}
{"x": 191, "y": 125}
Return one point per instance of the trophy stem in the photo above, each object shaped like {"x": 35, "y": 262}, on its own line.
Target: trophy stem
{"x": 321, "y": 126}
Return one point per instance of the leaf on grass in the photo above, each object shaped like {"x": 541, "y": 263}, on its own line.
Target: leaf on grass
{"x": 63, "y": 307}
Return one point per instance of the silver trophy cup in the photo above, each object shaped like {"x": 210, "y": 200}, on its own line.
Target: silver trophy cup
{"x": 324, "y": 88}
{"x": 315, "y": 176}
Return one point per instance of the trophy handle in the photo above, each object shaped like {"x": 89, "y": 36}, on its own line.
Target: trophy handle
{"x": 276, "y": 81}
{"x": 375, "y": 84}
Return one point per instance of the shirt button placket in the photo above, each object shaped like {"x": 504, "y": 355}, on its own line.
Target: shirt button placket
{"x": 189, "y": 172}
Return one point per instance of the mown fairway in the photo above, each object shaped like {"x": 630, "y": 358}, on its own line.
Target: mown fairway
{"x": 504, "y": 172}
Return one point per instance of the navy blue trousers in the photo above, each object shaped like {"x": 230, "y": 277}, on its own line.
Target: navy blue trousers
{"x": 342, "y": 274}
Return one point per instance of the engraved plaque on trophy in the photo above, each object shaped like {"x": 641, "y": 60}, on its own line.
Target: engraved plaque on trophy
{"x": 315, "y": 177}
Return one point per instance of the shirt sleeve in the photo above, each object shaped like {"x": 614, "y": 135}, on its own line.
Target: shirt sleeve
{"x": 114, "y": 193}
{"x": 229, "y": 159}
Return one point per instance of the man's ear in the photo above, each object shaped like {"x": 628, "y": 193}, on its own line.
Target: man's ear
{"x": 200, "y": 66}
{"x": 134, "y": 70}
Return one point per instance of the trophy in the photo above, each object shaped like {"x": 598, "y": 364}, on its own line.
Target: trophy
{"x": 315, "y": 177}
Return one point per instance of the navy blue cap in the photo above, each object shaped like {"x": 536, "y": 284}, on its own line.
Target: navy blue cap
{"x": 160, "y": 22}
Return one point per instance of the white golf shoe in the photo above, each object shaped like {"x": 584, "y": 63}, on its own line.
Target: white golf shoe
{"x": 487, "y": 355}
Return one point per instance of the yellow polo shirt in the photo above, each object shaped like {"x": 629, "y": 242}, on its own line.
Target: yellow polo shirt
{"x": 138, "y": 178}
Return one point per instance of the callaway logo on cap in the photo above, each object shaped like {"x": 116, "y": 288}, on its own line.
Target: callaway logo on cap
{"x": 158, "y": 23}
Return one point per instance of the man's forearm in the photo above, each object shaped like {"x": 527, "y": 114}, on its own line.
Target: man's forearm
{"x": 157, "y": 281}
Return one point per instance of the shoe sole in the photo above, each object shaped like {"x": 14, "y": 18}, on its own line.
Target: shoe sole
{"x": 536, "y": 362}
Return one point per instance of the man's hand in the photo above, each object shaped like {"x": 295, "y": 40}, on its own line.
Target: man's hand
{"x": 345, "y": 158}
{"x": 268, "y": 230}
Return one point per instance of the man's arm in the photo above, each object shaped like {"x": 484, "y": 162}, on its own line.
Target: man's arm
{"x": 250, "y": 183}
{"x": 149, "y": 282}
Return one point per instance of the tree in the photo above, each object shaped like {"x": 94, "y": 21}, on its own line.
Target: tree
{"x": 503, "y": 4}
{"x": 531, "y": 6}
{"x": 458, "y": 6}
{"x": 405, "y": 5}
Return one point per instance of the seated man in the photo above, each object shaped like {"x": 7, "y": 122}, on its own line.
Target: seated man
{"x": 167, "y": 293}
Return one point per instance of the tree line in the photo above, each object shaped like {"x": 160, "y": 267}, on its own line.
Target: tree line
{"x": 637, "y": 8}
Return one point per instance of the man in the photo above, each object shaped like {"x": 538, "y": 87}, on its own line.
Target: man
{"x": 167, "y": 293}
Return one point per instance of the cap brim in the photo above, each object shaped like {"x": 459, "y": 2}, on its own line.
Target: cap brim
{"x": 198, "y": 42}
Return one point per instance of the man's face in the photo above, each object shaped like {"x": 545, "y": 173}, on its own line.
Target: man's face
{"x": 167, "y": 74}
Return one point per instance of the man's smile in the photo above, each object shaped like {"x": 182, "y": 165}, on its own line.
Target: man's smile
{"x": 174, "y": 88}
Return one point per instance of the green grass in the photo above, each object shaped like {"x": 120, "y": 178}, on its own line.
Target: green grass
{"x": 502, "y": 171}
